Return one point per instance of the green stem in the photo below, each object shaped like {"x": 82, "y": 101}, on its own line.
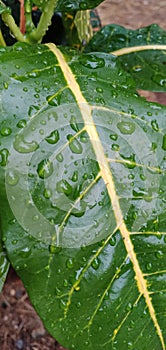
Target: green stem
{"x": 2, "y": 41}
{"x": 28, "y": 15}
{"x": 10, "y": 22}
{"x": 45, "y": 21}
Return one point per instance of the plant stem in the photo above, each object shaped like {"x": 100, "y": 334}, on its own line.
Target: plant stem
{"x": 2, "y": 41}
{"x": 45, "y": 20}
{"x": 28, "y": 15}
{"x": 10, "y": 22}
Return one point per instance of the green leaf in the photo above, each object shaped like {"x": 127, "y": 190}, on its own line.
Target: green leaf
{"x": 69, "y": 5}
{"x": 4, "y": 266}
{"x": 85, "y": 180}
{"x": 147, "y": 67}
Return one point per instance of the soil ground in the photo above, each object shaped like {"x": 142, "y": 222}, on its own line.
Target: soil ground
{"x": 133, "y": 14}
{"x": 20, "y": 327}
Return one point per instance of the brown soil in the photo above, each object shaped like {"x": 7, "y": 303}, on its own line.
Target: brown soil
{"x": 20, "y": 327}
{"x": 133, "y": 14}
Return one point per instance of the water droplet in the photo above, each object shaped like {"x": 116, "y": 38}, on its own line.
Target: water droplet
{"x": 131, "y": 161}
{"x": 159, "y": 79}
{"x": 112, "y": 241}
{"x": 23, "y": 146}
{"x": 129, "y": 307}
{"x": 33, "y": 74}
{"x": 59, "y": 157}
{"x": 22, "y": 123}
{"x": 32, "y": 110}
{"x": 41, "y": 131}
{"x": 149, "y": 266}
{"x": 159, "y": 254}
{"x": 115, "y": 147}
{"x": 131, "y": 176}
{"x": 12, "y": 178}
{"x": 164, "y": 143}
{"x": 73, "y": 123}
{"x": 78, "y": 304}
{"x": 126, "y": 127}
{"x": 15, "y": 241}
{"x": 64, "y": 187}
{"x": 5, "y": 85}
{"x": 47, "y": 193}
{"x": 65, "y": 283}
{"x": 25, "y": 89}
{"x": 155, "y": 125}
{"x": 84, "y": 137}
{"x": 25, "y": 252}
{"x": 98, "y": 89}
{"x": 6, "y": 131}
{"x": 4, "y": 153}
{"x": 54, "y": 100}
{"x": 113, "y": 137}
{"x": 154, "y": 146}
{"x": 53, "y": 137}
{"x": 45, "y": 169}
{"x": 69, "y": 263}
{"x": 142, "y": 177}
{"x": 114, "y": 94}
{"x": 139, "y": 192}
{"x": 137, "y": 68}
{"x": 75, "y": 176}
{"x": 74, "y": 145}
{"x": 92, "y": 61}
{"x": 95, "y": 263}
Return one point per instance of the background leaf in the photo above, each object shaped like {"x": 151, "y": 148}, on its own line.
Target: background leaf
{"x": 70, "y": 5}
{"x": 96, "y": 277}
{"x": 148, "y": 68}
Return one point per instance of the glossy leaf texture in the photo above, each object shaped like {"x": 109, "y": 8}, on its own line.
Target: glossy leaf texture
{"x": 69, "y": 5}
{"x": 85, "y": 178}
{"x": 147, "y": 67}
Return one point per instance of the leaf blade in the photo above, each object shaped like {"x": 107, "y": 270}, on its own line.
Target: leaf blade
{"x": 59, "y": 280}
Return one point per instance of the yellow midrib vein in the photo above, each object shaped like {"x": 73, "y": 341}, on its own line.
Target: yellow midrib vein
{"x": 86, "y": 112}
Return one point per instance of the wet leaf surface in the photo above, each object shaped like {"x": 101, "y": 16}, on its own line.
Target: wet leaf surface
{"x": 147, "y": 67}
{"x": 85, "y": 179}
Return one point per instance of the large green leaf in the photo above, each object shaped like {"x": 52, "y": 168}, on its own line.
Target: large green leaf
{"x": 69, "y": 5}
{"x": 86, "y": 181}
{"x": 148, "y": 67}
